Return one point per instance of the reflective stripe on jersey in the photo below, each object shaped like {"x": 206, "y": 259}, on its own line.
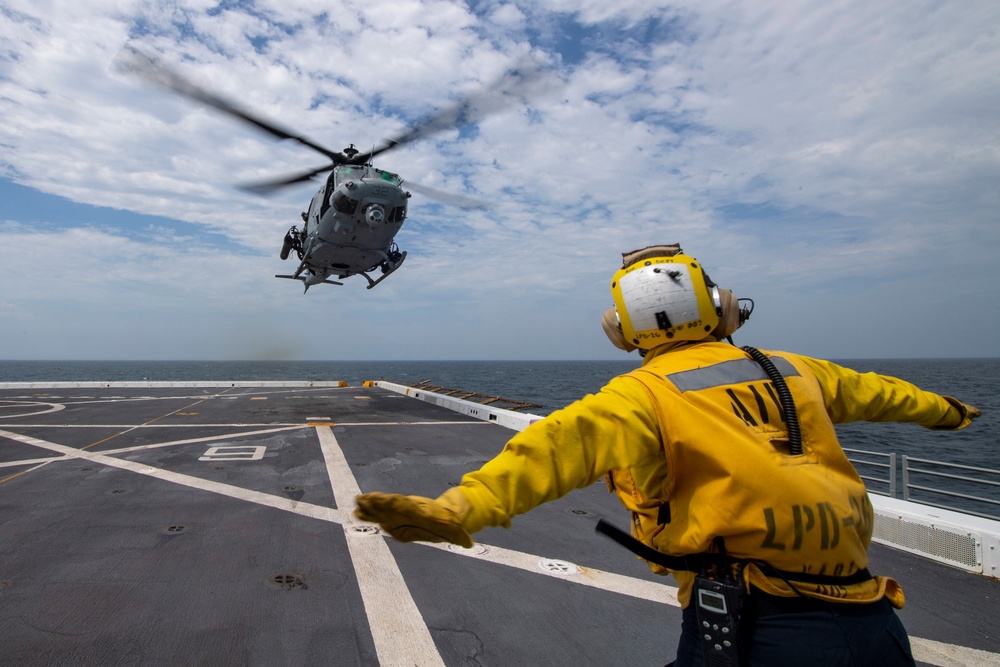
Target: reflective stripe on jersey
{"x": 736, "y": 371}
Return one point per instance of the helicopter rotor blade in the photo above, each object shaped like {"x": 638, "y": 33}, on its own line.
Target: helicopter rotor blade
{"x": 133, "y": 61}
{"x": 528, "y": 81}
{"x": 267, "y": 187}
{"x": 449, "y": 198}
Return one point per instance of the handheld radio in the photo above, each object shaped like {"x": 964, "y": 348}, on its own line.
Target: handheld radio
{"x": 718, "y": 607}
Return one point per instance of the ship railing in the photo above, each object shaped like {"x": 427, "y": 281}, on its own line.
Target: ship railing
{"x": 970, "y": 489}
{"x": 877, "y": 469}
{"x": 984, "y": 480}
{"x": 948, "y": 511}
{"x": 474, "y": 396}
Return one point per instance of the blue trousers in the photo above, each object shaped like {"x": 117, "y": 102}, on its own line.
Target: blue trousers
{"x": 838, "y": 635}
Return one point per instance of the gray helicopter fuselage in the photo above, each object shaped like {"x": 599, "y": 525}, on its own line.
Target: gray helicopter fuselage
{"x": 352, "y": 221}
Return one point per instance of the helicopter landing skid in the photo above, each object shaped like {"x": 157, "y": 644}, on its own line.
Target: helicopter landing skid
{"x": 387, "y": 272}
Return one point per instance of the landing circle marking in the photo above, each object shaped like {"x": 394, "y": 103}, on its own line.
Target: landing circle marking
{"x": 28, "y": 408}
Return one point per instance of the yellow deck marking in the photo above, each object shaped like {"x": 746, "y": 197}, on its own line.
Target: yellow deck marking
{"x": 172, "y": 412}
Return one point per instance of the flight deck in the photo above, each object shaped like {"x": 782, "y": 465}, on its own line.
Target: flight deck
{"x": 211, "y": 524}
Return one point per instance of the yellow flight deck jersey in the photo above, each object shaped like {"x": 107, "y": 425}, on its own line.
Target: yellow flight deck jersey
{"x": 695, "y": 445}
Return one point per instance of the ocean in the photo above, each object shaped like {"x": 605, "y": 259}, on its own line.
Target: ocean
{"x": 553, "y": 384}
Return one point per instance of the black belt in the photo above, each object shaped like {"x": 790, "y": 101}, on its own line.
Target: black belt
{"x": 857, "y": 577}
{"x": 765, "y": 604}
{"x": 702, "y": 561}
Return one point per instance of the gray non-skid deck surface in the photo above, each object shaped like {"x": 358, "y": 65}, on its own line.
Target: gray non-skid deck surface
{"x": 213, "y": 536}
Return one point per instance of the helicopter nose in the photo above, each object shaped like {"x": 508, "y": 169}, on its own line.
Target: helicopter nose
{"x": 375, "y": 214}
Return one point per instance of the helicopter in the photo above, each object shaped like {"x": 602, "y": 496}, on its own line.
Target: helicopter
{"x": 350, "y": 224}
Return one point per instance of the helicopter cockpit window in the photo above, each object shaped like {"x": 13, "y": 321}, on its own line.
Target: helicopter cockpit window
{"x": 349, "y": 172}
{"x": 344, "y": 204}
{"x": 390, "y": 177}
{"x": 397, "y": 214}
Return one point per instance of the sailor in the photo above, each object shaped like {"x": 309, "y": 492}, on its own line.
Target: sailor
{"x": 728, "y": 461}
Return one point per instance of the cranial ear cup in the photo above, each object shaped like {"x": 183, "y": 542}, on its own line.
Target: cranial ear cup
{"x": 613, "y": 330}
{"x": 730, "y": 319}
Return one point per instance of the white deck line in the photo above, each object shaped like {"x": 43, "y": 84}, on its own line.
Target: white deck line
{"x": 398, "y": 629}
{"x": 576, "y": 574}
{"x": 237, "y": 492}
{"x": 924, "y": 650}
{"x": 607, "y": 581}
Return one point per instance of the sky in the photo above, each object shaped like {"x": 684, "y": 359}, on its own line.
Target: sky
{"x": 836, "y": 161}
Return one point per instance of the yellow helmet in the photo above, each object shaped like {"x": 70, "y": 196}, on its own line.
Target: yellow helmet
{"x": 662, "y": 295}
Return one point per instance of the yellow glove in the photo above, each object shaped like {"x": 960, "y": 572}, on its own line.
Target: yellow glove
{"x": 968, "y": 412}
{"x": 418, "y": 519}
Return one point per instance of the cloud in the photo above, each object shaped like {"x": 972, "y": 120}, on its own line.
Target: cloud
{"x": 819, "y": 156}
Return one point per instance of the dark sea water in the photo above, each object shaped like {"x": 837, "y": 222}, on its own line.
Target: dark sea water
{"x": 553, "y": 384}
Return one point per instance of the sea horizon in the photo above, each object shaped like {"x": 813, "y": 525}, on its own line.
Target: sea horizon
{"x": 549, "y": 385}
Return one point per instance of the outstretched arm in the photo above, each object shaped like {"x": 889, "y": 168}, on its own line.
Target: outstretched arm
{"x": 569, "y": 449}
{"x": 852, "y": 396}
